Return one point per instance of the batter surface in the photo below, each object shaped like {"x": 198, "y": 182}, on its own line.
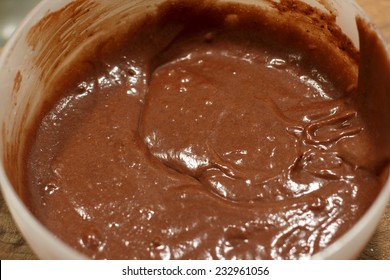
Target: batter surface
{"x": 224, "y": 139}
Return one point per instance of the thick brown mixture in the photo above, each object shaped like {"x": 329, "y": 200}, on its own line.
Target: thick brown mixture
{"x": 209, "y": 133}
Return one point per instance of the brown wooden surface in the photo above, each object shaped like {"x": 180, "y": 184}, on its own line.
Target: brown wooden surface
{"x": 13, "y": 246}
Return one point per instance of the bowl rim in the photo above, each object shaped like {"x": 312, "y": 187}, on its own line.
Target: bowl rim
{"x": 19, "y": 211}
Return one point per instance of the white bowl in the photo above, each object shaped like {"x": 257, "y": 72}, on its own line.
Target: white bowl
{"x": 22, "y": 87}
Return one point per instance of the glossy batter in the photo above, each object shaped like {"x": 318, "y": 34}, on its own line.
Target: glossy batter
{"x": 209, "y": 133}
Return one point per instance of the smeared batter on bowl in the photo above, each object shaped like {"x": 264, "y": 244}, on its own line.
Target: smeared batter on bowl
{"x": 205, "y": 132}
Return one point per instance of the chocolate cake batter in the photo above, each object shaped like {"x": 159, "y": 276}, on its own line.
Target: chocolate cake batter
{"x": 205, "y": 132}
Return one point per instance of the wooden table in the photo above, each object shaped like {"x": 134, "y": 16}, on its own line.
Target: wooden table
{"x": 13, "y": 246}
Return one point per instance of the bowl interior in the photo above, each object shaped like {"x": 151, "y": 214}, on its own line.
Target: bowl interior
{"x": 35, "y": 56}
